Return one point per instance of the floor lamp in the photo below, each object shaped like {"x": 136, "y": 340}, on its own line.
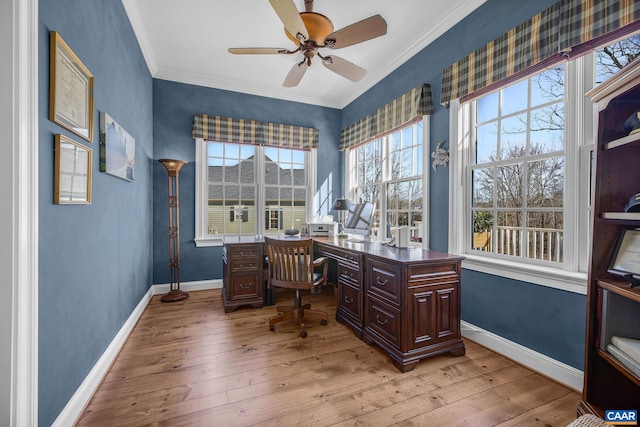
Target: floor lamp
{"x": 174, "y": 294}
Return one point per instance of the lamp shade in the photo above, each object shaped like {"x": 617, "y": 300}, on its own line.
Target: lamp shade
{"x": 341, "y": 205}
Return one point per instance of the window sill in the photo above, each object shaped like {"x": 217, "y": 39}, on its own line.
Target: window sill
{"x": 203, "y": 242}
{"x": 539, "y": 275}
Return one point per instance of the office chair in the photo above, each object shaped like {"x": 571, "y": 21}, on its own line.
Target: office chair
{"x": 292, "y": 266}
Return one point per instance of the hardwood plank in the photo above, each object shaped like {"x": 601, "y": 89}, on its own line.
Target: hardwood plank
{"x": 191, "y": 364}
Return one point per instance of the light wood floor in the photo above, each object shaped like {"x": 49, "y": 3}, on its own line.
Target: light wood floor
{"x": 189, "y": 364}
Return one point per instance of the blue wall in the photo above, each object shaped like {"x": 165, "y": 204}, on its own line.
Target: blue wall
{"x": 174, "y": 105}
{"x": 95, "y": 260}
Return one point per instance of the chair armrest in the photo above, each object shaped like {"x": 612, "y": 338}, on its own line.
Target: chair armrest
{"x": 319, "y": 261}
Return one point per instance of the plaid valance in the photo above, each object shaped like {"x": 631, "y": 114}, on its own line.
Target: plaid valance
{"x": 552, "y": 32}
{"x": 404, "y": 109}
{"x": 241, "y": 131}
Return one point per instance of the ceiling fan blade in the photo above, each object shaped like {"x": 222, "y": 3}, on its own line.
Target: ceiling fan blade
{"x": 359, "y": 32}
{"x": 345, "y": 68}
{"x": 295, "y": 75}
{"x": 290, "y": 17}
{"x": 256, "y": 50}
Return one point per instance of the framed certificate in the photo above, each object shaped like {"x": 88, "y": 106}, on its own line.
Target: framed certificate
{"x": 626, "y": 256}
{"x": 72, "y": 181}
{"x": 70, "y": 89}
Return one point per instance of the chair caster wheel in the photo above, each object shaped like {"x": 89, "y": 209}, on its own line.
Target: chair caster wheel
{"x": 323, "y": 322}
{"x": 272, "y": 328}
{"x": 303, "y": 334}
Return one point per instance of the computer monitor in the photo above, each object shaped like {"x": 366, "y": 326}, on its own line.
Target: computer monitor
{"x": 359, "y": 219}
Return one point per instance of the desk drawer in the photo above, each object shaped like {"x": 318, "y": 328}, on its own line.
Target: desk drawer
{"x": 245, "y": 252}
{"x": 349, "y": 275}
{"x": 245, "y": 286}
{"x": 384, "y": 319}
{"x": 246, "y": 265}
{"x": 351, "y": 301}
{"x": 383, "y": 280}
{"x": 340, "y": 255}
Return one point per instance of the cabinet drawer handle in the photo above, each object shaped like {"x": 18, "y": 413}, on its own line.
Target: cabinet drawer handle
{"x": 348, "y": 300}
{"x": 250, "y": 285}
{"x": 347, "y": 276}
{"x": 382, "y": 322}
{"x": 380, "y": 282}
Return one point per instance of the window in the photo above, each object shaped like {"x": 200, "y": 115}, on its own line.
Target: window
{"x": 248, "y": 190}
{"x": 388, "y": 171}
{"x": 521, "y": 172}
{"x": 517, "y": 169}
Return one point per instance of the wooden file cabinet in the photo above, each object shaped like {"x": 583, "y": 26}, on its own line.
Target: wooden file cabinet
{"x": 412, "y": 309}
{"x": 242, "y": 272}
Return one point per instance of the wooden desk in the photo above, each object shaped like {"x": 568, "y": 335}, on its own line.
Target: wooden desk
{"x": 406, "y": 301}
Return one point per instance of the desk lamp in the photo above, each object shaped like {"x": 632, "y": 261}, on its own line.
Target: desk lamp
{"x": 341, "y": 205}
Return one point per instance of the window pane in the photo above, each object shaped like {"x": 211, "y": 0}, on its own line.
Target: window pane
{"x": 514, "y": 98}
{"x": 271, "y": 172}
{"x": 547, "y": 129}
{"x": 392, "y": 196}
{"x": 487, "y": 142}
{"x": 482, "y": 231}
{"x": 404, "y": 195}
{"x": 545, "y": 183}
{"x": 416, "y": 198}
{"x": 545, "y": 235}
{"x": 488, "y": 107}
{"x": 509, "y": 186}
{"x": 547, "y": 86}
{"x": 483, "y": 185}
{"x": 509, "y": 233}
{"x": 513, "y": 137}
{"x": 246, "y": 172}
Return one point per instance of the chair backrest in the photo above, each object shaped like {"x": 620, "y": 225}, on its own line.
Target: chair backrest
{"x": 290, "y": 263}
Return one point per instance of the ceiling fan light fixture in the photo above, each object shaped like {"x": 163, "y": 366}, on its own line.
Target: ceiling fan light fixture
{"x": 318, "y": 27}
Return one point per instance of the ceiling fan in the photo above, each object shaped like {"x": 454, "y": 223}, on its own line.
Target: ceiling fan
{"x": 311, "y": 31}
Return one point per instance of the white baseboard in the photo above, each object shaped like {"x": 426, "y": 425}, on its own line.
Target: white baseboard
{"x": 562, "y": 373}
{"x": 83, "y": 394}
{"x": 81, "y": 397}
{"x": 199, "y": 285}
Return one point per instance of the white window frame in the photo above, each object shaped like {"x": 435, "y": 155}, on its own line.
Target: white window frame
{"x": 570, "y": 275}
{"x": 381, "y": 206}
{"x": 202, "y": 237}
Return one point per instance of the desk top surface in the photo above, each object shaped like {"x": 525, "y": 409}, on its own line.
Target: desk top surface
{"x": 409, "y": 254}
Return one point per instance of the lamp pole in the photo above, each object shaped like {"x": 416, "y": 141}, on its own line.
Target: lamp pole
{"x": 174, "y": 294}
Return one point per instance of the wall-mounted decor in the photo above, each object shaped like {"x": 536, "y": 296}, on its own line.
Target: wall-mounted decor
{"x": 72, "y": 182}
{"x": 70, "y": 89}
{"x": 117, "y": 149}
{"x": 440, "y": 156}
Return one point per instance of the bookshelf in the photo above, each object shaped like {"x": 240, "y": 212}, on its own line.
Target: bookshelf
{"x": 613, "y": 306}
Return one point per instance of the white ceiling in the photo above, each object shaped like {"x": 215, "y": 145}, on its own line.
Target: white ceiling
{"x": 187, "y": 40}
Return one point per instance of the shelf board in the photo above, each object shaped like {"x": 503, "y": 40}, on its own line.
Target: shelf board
{"x": 619, "y": 366}
{"x": 621, "y": 215}
{"x": 622, "y": 141}
{"x": 620, "y": 287}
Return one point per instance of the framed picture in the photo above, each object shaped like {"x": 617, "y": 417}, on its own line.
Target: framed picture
{"x": 70, "y": 89}
{"x": 117, "y": 149}
{"x": 626, "y": 256}
{"x": 72, "y": 183}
